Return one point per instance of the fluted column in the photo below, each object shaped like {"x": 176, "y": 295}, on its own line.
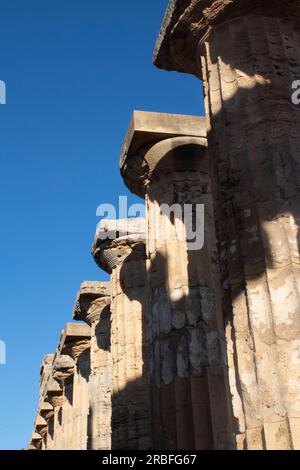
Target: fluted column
{"x": 63, "y": 373}
{"x": 47, "y": 412}
{"x": 165, "y": 160}
{"x": 45, "y": 409}
{"x": 75, "y": 342}
{"x": 54, "y": 395}
{"x": 36, "y": 441}
{"x": 248, "y": 54}
{"x": 122, "y": 254}
{"x": 92, "y": 306}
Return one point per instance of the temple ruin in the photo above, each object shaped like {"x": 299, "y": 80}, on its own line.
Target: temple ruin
{"x": 184, "y": 348}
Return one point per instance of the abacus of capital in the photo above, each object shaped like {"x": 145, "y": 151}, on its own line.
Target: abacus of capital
{"x": 184, "y": 348}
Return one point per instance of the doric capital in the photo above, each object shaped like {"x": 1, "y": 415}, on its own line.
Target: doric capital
{"x": 63, "y": 368}
{"x": 75, "y": 339}
{"x": 46, "y": 411}
{"x": 117, "y": 240}
{"x": 188, "y": 22}
{"x": 92, "y": 299}
{"x": 157, "y": 144}
{"x": 41, "y": 425}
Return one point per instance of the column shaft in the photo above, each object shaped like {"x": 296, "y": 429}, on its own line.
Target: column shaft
{"x": 249, "y": 64}
{"x": 188, "y": 354}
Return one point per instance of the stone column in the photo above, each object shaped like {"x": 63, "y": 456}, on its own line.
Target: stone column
{"x": 92, "y": 306}
{"x": 248, "y": 54}
{"x": 75, "y": 342}
{"x": 47, "y": 412}
{"x": 165, "y": 160}
{"x": 54, "y": 395}
{"x": 120, "y": 250}
{"x": 63, "y": 373}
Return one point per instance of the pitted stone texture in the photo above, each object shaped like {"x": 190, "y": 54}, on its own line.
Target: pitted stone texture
{"x": 36, "y": 441}
{"x": 186, "y": 333}
{"x": 188, "y": 22}
{"x": 57, "y": 403}
{"x": 187, "y": 336}
{"x": 144, "y": 131}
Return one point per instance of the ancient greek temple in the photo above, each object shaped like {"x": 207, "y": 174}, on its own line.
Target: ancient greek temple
{"x": 196, "y": 347}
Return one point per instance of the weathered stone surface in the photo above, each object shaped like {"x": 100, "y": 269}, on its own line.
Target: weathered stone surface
{"x": 188, "y": 22}
{"x": 124, "y": 258}
{"x": 117, "y": 240}
{"x": 93, "y": 307}
{"x": 196, "y": 348}
{"x": 75, "y": 339}
{"x": 81, "y": 400}
{"x": 63, "y": 367}
{"x": 248, "y": 55}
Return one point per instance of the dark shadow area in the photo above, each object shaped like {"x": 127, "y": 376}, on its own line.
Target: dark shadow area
{"x": 68, "y": 387}
{"x": 103, "y": 331}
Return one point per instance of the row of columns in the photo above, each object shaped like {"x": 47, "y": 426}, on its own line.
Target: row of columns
{"x": 195, "y": 339}
{"x": 158, "y": 368}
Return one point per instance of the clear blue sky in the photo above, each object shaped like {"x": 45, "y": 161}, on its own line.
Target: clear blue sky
{"x": 74, "y": 71}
